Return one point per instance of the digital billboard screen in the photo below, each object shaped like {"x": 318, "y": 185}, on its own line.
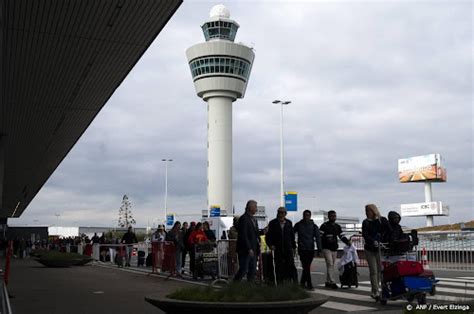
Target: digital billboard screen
{"x": 421, "y": 168}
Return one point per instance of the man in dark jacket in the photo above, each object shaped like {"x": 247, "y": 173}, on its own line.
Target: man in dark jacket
{"x": 129, "y": 238}
{"x": 281, "y": 239}
{"x": 247, "y": 243}
{"x": 308, "y": 233}
{"x": 330, "y": 232}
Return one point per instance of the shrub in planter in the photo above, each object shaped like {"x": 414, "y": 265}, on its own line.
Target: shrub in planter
{"x": 60, "y": 259}
{"x": 239, "y": 297}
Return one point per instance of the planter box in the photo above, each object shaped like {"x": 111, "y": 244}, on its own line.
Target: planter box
{"x": 172, "y": 306}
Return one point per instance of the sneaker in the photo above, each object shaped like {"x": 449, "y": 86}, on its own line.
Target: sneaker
{"x": 327, "y": 285}
{"x": 334, "y": 286}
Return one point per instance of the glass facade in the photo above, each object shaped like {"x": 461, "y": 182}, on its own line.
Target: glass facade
{"x": 220, "y": 30}
{"x": 224, "y": 65}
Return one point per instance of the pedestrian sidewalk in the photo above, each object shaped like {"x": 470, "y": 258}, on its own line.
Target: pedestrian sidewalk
{"x": 83, "y": 290}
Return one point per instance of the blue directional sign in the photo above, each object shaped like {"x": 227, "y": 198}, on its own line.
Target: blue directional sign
{"x": 215, "y": 211}
{"x": 291, "y": 201}
{"x": 170, "y": 219}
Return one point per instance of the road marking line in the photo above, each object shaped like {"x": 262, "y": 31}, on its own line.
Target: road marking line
{"x": 456, "y": 284}
{"x": 442, "y": 283}
{"x": 466, "y": 277}
{"x": 344, "y": 295}
{"x": 346, "y": 307}
{"x": 452, "y": 290}
{"x": 455, "y": 279}
{"x": 437, "y": 297}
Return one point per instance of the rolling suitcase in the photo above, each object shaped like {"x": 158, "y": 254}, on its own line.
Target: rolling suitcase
{"x": 140, "y": 258}
{"x": 149, "y": 260}
{"x": 349, "y": 276}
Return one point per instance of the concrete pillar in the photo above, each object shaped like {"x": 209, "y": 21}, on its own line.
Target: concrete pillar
{"x": 219, "y": 152}
{"x": 428, "y": 199}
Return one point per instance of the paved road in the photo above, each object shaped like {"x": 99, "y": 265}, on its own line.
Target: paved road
{"x": 107, "y": 289}
{"x": 82, "y": 290}
{"x": 454, "y": 287}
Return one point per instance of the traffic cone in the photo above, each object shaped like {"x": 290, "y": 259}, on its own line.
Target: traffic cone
{"x": 424, "y": 259}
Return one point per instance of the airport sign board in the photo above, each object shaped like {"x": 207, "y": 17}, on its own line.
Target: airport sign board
{"x": 291, "y": 201}
{"x": 426, "y": 168}
{"x": 424, "y": 209}
{"x": 215, "y": 211}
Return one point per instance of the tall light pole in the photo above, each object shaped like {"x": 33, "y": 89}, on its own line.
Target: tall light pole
{"x": 57, "y": 223}
{"x": 282, "y": 190}
{"x": 166, "y": 161}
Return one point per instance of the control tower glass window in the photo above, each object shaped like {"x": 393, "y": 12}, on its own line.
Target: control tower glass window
{"x": 219, "y": 30}
{"x": 224, "y": 65}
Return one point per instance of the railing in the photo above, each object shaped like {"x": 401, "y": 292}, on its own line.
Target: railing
{"x": 444, "y": 250}
{"x": 448, "y": 250}
{"x": 5, "y": 299}
{"x": 227, "y": 258}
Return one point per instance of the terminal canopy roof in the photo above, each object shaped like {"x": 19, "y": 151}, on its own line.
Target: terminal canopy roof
{"x": 60, "y": 61}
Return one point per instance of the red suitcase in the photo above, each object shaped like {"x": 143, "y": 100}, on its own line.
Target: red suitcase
{"x": 402, "y": 268}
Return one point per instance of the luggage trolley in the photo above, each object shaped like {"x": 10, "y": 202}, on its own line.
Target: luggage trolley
{"x": 403, "y": 276}
{"x": 206, "y": 260}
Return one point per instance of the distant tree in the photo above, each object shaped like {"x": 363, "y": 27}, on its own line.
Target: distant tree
{"x": 125, "y": 213}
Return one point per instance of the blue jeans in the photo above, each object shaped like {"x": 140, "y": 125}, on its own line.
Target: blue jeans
{"x": 247, "y": 265}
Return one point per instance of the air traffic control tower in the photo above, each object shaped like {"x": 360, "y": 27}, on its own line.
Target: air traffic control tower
{"x": 220, "y": 69}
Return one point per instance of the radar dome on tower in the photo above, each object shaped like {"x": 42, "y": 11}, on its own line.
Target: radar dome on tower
{"x": 219, "y": 11}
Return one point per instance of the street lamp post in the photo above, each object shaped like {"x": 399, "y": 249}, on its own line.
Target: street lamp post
{"x": 166, "y": 161}
{"x": 57, "y": 223}
{"x": 282, "y": 191}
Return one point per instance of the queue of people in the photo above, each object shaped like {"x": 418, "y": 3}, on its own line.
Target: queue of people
{"x": 284, "y": 240}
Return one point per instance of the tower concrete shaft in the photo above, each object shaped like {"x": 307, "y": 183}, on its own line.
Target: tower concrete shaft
{"x": 220, "y": 70}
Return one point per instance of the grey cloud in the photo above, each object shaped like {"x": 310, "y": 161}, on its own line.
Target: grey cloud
{"x": 370, "y": 82}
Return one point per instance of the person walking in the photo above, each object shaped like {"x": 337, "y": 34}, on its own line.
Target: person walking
{"x": 247, "y": 243}
{"x": 197, "y": 236}
{"x": 330, "y": 232}
{"x": 308, "y": 234}
{"x": 373, "y": 232}
{"x": 129, "y": 238}
{"x": 209, "y": 233}
{"x": 184, "y": 230}
{"x": 281, "y": 239}
{"x": 175, "y": 236}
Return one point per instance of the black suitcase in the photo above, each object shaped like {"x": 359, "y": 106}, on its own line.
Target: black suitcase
{"x": 350, "y": 276}
{"x": 140, "y": 258}
{"x": 149, "y": 260}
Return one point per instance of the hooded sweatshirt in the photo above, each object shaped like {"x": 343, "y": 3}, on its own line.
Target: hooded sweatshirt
{"x": 396, "y": 232}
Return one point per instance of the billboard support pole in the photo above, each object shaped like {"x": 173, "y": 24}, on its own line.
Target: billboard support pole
{"x": 428, "y": 198}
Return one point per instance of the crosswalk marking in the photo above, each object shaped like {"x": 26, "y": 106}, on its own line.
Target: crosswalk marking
{"x": 346, "y": 307}
{"x": 446, "y": 283}
{"x": 455, "y": 279}
{"x": 344, "y": 295}
{"x": 456, "y": 284}
{"x": 437, "y": 297}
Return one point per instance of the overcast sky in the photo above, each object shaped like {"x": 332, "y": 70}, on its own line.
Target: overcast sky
{"x": 370, "y": 82}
